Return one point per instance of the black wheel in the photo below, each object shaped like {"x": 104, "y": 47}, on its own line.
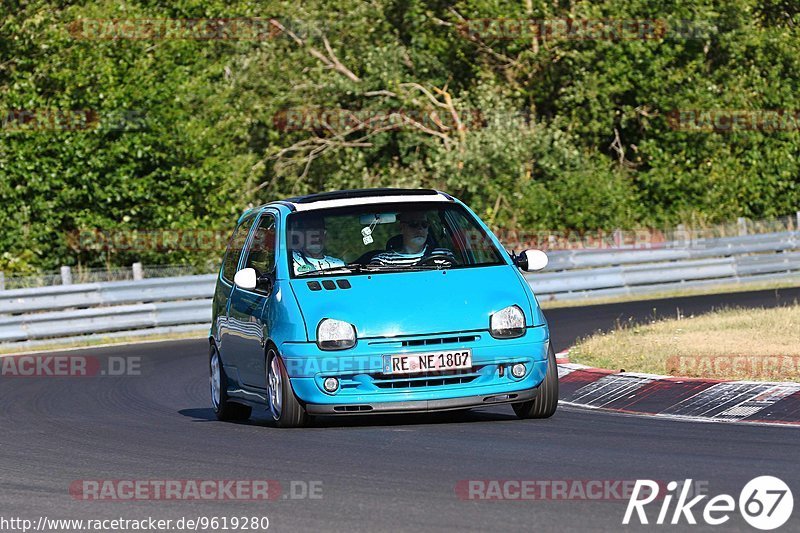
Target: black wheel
{"x": 223, "y": 407}
{"x": 546, "y": 401}
{"x": 282, "y": 404}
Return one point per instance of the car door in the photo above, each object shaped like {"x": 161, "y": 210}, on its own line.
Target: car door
{"x": 226, "y": 336}
{"x": 247, "y": 307}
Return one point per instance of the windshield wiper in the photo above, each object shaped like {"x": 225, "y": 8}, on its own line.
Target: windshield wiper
{"x": 406, "y": 268}
{"x": 358, "y": 268}
{"x": 344, "y": 269}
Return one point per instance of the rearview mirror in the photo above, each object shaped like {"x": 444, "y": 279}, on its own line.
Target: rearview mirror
{"x": 377, "y": 218}
{"x": 246, "y": 278}
{"x": 531, "y": 260}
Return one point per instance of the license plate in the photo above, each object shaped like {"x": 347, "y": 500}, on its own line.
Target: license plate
{"x": 412, "y": 363}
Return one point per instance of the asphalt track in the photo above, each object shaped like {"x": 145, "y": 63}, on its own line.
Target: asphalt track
{"x": 394, "y": 473}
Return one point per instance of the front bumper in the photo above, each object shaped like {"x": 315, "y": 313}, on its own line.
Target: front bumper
{"x": 421, "y": 406}
{"x": 365, "y": 389}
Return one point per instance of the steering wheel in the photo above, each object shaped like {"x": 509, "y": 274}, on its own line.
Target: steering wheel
{"x": 436, "y": 260}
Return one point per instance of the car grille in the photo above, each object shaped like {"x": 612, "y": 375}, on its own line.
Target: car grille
{"x": 436, "y": 341}
{"x": 407, "y": 382}
{"x": 442, "y": 340}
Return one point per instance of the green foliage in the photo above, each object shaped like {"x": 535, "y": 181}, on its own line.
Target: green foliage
{"x": 558, "y": 133}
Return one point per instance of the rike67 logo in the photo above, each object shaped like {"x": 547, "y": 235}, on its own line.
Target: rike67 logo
{"x": 765, "y": 503}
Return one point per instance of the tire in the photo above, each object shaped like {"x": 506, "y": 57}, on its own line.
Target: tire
{"x": 223, "y": 407}
{"x": 546, "y": 401}
{"x": 282, "y": 404}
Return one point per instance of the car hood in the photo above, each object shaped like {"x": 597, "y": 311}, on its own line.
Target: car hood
{"x": 413, "y": 303}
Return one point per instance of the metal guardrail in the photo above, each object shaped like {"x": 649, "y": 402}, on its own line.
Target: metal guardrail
{"x": 67, "y": 275}
{"x": 589, "y": 273}
{"x": 106, "y": 293}
{"x": 163, "y": 304}
{"x": 104, "y": 319}
{"x": 673, "y": 251}
{"x": 68, "y": 310}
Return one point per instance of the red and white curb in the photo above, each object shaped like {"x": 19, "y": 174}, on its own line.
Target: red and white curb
{"x": 562, "y": 357}
{"x": 676, "y": 397}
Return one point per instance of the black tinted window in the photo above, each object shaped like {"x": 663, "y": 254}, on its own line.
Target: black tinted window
{"x": 235, "y": 246}
{"x": 398, "y": 235}
{"x": 261, "y": 254}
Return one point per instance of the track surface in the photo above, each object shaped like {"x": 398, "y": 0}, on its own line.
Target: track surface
{"x": 377, "y": 474}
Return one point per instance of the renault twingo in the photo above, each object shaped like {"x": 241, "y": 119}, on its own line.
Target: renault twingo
{"x": 371, "y": 302}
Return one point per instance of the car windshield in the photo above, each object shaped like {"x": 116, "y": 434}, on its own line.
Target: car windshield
{"x": 384, "y": 238}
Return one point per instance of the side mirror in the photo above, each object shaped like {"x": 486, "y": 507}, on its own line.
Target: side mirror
{"x": 531, "y": 260}
{"x": 246, "y": 278}
{"x": 250, "y": 279}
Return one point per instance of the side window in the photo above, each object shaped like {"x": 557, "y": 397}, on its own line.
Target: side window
{"x": 235, "y": 246}
{"x": 261, "y": 254}
{"x": 470, "y": 241}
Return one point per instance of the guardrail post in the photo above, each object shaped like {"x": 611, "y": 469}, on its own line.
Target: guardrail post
{"x": 66, "y": 275}
{"x": 138, "y": 275}
{"x": 619, "y": 239}
{"x": 680, "y": 236}
{"x": 742, "y": 223}
{"x": 797, "y": 227}
{"x": 2, "y": 281}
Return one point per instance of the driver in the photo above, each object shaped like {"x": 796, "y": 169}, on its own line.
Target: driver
{"x": 415, "y": 247}
{"x": 311, "y": 254}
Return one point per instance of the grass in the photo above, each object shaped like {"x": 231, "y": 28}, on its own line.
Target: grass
{"x": 741, "y": 344}
{"x": 725, "y": 288}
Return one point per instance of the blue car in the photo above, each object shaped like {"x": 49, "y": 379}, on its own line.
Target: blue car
{"x": 375, "y": 301}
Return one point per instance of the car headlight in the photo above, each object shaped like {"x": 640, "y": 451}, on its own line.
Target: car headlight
{"x": 335, "y": 335}
{"x": 507, "y": 323}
